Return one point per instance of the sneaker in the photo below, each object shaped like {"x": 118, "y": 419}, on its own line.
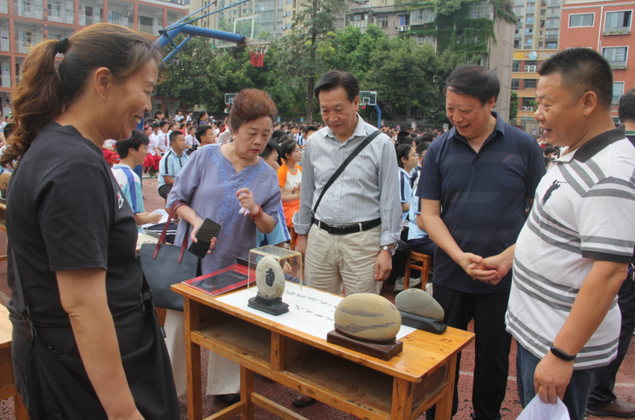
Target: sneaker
{"x": 399, "y": 283}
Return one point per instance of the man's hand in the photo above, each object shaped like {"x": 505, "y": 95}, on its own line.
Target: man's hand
{"x": 154, "y": 218}
{"x": 551, "y": 378}
{"x": 383, "y": 265}
{"x": 497, "y": 264}
{"x": 471, "y": 263}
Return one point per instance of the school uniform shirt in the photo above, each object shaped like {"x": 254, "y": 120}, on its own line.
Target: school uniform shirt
{"x": 584, "y": 211}
{"x": 179, "y": 118}
{"x": 299, "y": 138}
{"x": 162, "y": 142}
{"x": 405, "y": 193}
{"x": 152, "y": 144}
{"x": 171, "y": 164}
{"x": 279, "y": 234}
{"x": 414, "y": 232}
{"x": 191, "y": 140}
{"x": 130, "y": 185}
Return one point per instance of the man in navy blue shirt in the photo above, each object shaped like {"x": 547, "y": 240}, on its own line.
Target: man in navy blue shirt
{"x": 480, "y": 178}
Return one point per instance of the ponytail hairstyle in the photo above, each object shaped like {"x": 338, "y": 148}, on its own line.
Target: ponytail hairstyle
{"x": 287, "y": 147}
{"x": 403, "y": 150}
{"x": 44, "y": 93}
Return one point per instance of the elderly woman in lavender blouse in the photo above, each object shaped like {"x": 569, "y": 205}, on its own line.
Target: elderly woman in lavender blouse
{"x": 215, "y": 183}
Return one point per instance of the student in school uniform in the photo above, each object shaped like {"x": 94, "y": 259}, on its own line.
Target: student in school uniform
{"x": 172, "y": 163}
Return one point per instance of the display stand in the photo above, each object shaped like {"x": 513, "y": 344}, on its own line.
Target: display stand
{"x": 399, "y": 389}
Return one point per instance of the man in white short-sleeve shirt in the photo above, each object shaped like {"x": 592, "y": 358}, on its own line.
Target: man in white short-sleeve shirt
{"x": 573, "y": 252}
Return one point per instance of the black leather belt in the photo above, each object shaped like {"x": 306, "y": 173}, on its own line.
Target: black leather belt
{"x": 346, "y": 229}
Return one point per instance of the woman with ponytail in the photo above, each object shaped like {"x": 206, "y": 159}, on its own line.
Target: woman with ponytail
{"x": 86, "y": 342}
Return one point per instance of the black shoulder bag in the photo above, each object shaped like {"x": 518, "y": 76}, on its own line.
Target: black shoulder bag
{"x": 343, "y": 166}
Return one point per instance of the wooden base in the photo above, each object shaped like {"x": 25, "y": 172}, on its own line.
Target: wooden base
{"x": 381, "y": 351}
{"x": 273, "y": 306}
{"x": 419, "y": 322}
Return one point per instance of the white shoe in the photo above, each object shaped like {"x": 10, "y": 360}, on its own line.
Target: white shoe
{"x": 400, "y": 280}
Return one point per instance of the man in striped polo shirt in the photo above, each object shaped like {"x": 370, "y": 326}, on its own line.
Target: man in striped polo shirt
{"x": 572, "y": 255}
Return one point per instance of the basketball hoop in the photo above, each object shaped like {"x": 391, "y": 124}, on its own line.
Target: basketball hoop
{"x": 364, "y": 107}
{"x": 257, "y": 54}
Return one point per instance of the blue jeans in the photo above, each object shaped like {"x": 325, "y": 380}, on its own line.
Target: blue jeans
{"x": 576, "y": 395}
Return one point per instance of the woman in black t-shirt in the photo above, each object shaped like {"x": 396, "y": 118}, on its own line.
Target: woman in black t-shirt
{"x": 97, "y": 352}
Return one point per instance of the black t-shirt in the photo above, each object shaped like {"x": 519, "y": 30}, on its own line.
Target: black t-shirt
{"x": 65, "y": 211}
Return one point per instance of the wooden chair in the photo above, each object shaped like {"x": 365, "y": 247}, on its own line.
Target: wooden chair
{"x": 294, "y": 238}
{"x": 413, "y": 262}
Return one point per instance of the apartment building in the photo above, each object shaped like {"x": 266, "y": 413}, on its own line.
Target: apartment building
{"x": 606, "y": 27}
{"x": 24, "y": 23}
{"x": 536, "y": 38}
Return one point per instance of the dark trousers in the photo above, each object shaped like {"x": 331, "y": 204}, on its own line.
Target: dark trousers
{"x": 575, "y": 396}
{"x": 398, "y": 262}
{"x": 492, "y": 346}
{"x": 604, "y": 378}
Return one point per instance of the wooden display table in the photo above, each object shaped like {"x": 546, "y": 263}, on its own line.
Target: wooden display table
{"x": 7, "y": 381}
{"x": 364, "y": 386}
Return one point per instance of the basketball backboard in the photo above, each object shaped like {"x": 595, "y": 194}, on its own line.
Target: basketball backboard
{"x": 368, "y": 97}
{"x": 229, "y": 98}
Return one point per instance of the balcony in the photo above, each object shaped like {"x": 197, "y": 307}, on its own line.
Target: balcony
{"x": 618, "y": 65}
{"x": 61, "y": 17}
{"x": 616, "y": 31}
{"x": 6, "y": 81}
{"x": 25, "y": 46}
{"x": 26, "y": 8}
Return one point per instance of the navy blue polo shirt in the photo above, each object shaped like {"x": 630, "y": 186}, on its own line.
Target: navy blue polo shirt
{"x": 483, "y": 196}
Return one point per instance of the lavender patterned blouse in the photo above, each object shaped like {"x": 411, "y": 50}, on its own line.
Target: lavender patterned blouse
{"x": 208, "y": 183}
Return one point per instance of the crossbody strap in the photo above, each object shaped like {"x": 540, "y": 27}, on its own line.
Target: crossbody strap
{"x": 343, "y": 166}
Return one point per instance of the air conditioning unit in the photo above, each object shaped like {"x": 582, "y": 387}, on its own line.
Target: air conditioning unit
{"x": 524, "y": 108}
{"x": 6, "y": 101}
{"x": 530, "y": 108}
{"x": 403, "y": 28}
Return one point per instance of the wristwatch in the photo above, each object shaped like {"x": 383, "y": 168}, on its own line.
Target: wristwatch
{"x": 562, "y": 355}
{"x": 390, "y": 248}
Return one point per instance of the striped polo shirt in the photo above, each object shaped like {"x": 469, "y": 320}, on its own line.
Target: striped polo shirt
{"x": 584, "y": 210}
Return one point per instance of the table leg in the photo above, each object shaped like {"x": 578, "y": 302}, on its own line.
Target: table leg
{"x": 193, "y": 361}
{"x": 20, "y": 409}
{"x": 444, "y": 406}
{"x": 402, "y": 397}
{"x": 246, "y": 389}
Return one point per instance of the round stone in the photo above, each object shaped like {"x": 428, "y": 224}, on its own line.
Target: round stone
{"x": 367, "y": 316}
{"x": 269, "y": 277}
{"x": 418, "y": 302}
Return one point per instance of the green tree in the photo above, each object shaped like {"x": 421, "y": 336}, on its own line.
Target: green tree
{"x": 513, "y": 107}
{"x": 313, "y": 22}
{"x": 189, "y": 74}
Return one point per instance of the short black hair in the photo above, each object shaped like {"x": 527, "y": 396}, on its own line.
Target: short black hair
{"x": 402, "y": 152}
{"x": 156, "y": 114}
{"x": 269, "y": 148}
{"x": 134, "y": 142}
{"x": 277, "y": 134}
{"x": 7, "y": 130}
{"x": 156, "y": 125}
{"x": 476, "y": 81}
{"x": 548, "y": 149}
{"x": 422, "y": 147}
{"x": 582, "y": 70}
{"x": 201, "y": 130}
{"x": 174, "y": 135}
{"x": 335, "y": 79}
{"x": 163, "y": 122}
{"x": 287, "y": 146}
{"x": 626, "y": 109}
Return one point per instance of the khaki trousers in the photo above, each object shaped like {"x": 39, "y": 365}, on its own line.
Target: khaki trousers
{"x": 333, "y": 261}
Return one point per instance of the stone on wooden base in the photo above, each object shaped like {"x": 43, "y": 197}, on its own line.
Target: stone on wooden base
{"x": 384, "y": 350}
{"x": 273, "y": 306}
{"x": 419, "y": 322}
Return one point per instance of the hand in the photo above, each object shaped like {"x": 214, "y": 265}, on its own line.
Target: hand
{"x": 195, "y": 229}
{"x": 297, "y": 189}
{"x": 300, "y": 245}
{"x": 383, "y": 265}
{"x": 154, "y": 218}
{"x": 246, "y": 198}
{"x": 551, "y": 378}
{"x": 471, "y": 264}
{"x": 497, "y": 263}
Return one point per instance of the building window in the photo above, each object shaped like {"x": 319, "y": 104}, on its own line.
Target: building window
{"x": 530, "y": 83}
{"x": 516, "y": 65}
{"x": 528, "y": 104}
{"x": 55, "y": 8}
{"x": 517, "y": 43}
{"x": 404, "y": 20}
{"x": 383, "y": 22}
{"x": 553, "y": 23}
{"x": 529, "y": 20}
{"x": 530, "y": 66}
{"x": 540, "y": 44}
{"x": 530, "y": 9}
{"x": 618, "y": 90}
{"x": 618, "y": 22}
{"x": 482, "y": 10}
{"x": 515, "y": 84}
{"x": 519, "y": 10}
{"x": 529, "y": 31}
{"x": 551, "y": 33}
{"x": 581, "y": 20}
{"x": 528, "y": 43}
{"x": 554, "y": 3}
{"x": 552, "y": 45}
{"x": 616, "y": 56}
{"x": 421, "y": 16}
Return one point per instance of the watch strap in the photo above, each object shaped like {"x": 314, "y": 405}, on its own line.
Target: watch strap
{"x": 562, "y": 355}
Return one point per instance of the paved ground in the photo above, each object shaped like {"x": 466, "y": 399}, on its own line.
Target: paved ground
{"x": 624, "y": 389}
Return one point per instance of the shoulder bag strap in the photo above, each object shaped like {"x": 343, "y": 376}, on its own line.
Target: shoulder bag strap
{"x": 165, "y": 231}
{"x": 343, "y": 166}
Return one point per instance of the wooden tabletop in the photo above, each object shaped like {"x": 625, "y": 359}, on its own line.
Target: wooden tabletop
{"x": 6, "y": 328}
{"x": 423, "y": 352}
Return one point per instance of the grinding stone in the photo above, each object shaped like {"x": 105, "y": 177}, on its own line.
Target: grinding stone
{"x": 270, "y": 278}
{"x": 418, "y": 302}
{"x": 367, "y": 316}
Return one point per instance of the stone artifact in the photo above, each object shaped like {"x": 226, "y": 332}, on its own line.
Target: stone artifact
{"x": 419, "y": 310}
{"x": 367, "y": 323}
{"x": 270, "y": 278}
{"x": 367, "y": 316}
{"x": 270, "y": 282}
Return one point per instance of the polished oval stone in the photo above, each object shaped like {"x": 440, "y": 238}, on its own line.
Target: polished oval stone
{"x": 418, "y": 302}
{"x": 269, "y": 277}
{"x": 367, "y": 316}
